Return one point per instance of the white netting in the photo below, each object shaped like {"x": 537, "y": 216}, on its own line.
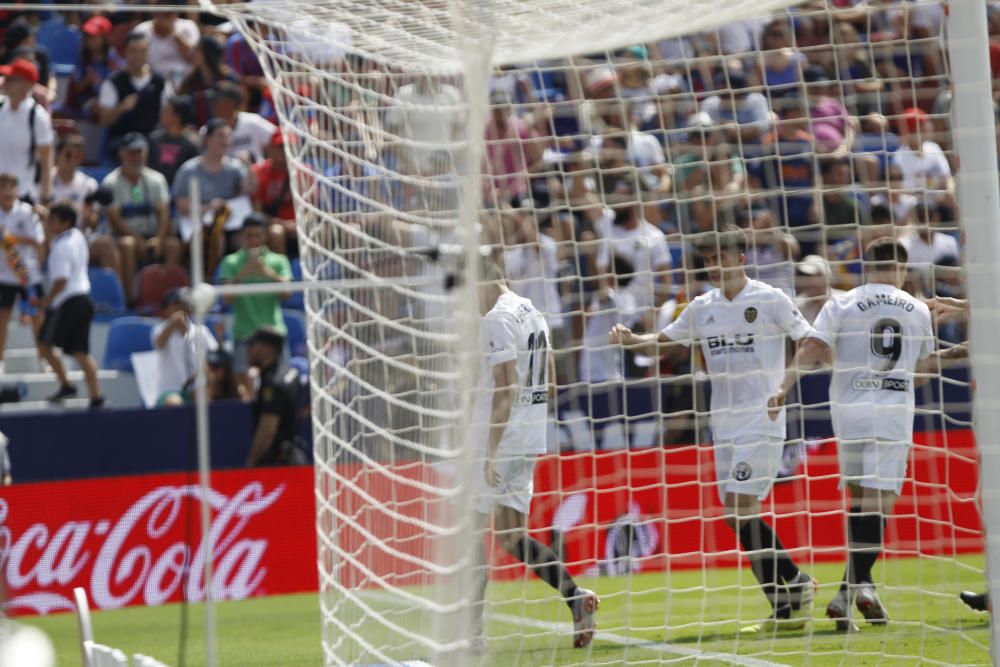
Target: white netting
{"x": 679, "y": 116}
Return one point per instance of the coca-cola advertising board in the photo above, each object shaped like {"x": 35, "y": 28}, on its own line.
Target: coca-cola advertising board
{"x": 126, "y": 540}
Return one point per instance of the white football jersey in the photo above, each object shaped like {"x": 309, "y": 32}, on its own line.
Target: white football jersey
{"x": 743, "y": 341}
{"x": 878, "y": 334}
{"x": 514, "y": 330}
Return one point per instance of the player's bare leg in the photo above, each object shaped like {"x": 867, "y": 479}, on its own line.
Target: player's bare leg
{"x": 512, "y": 534}
{"x": 789, "y": 590}
{"x": 865, "y": 535}
{"x": 480, "y": 578}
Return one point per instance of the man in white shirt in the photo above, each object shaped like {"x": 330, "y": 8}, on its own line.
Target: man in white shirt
{"x": 922, "y": 162}
{"x": 741, "y": 326}
{"x": 624, "y": 232}
{"x": 67, "y": 305}
{"x": 21, "y": 237}
{"x": 876, "y": 337}
{"x": 427, "y": 114}
{"x": 251, "y": 132}
{"x": 177, "y": 340}
{"x": 510, "y": 423}
{"x": 26, "y": 134}
{"x": 172, "y": 41}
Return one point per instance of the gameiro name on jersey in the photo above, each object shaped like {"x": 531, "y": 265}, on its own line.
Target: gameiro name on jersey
{"x": 878, "y": 334}
{"x": 743, "y": 341}
{"x": 514, "y": 330}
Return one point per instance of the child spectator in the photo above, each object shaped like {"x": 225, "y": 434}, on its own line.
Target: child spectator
{"x": 22, "y": 237}
{"x": 209, "y": 70}
{"x": 129, "y": 99}
{"x": 251, "y": 133}
{"x": 273, "y": 197}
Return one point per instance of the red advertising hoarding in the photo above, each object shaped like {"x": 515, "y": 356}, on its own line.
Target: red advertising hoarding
{"x": 127, "y": 540}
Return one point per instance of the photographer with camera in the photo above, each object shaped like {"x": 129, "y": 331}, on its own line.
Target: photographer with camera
{"x": 255, "y": 263}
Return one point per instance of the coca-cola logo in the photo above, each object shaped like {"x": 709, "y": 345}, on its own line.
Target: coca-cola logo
{"x": 145, "y": 555}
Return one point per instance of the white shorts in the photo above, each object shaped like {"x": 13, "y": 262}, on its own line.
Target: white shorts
{"x": 517, "y": 483}
{"x": 747, "y": 466}
{"x": 874, "y": 464}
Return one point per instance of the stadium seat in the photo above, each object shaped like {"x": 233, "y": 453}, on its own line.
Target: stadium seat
{"x": 127, "y": 335}
{"x": 107, "y": 293}
{"x": 296, "y": 300}
{"x": 63, "y": 44}
{"x": 296, "y": 323}
{"x": 154, "y": 282}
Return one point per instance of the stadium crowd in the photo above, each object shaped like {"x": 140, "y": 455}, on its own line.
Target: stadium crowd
{"x": 816, "y": 131}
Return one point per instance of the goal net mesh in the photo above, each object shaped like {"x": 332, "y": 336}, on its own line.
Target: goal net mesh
{"x": 585, "y": 145}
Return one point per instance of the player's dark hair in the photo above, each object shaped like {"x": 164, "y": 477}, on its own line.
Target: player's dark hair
{"x": 134, "y": 36}
{"x": 884, "y": 254}
{"x": 214, "y": 125}
{"x": 63, "y": 212}
{"x": 729, "y": 237}
{"x": 881, "y": 215}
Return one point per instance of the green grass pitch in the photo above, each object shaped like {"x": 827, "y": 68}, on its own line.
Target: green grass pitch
{"x": 683, "y": 617}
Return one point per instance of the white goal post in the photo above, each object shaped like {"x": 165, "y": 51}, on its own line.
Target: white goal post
{"x": 418, "y": 132}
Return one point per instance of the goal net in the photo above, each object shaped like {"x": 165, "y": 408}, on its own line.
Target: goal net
{"x": 588, "y": 147}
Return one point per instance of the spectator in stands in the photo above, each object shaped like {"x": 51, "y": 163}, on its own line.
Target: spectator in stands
{"x": 130, "y": 99}
{"x": 813, "y": 286}
{"x": 613, "y": 302}
{"x": 511, "y": 150}
{"x": 139, "y": 213}
{"x": 277, "y": 404}
{"x": 902, "y": 205}
{"x": 832, "y": 126}
{"x": 246, "y": 67}
{"x": 20, "y": 42}
{"x": 250, "y": 133}
{"x": 710, "y": 176}
{"x": 834, "y": 205}
{"x": 623, "y": 232}
{"x": 22, "y": 238}
{"x": 209, "y": 70}
{"x": 771, "y": 251}
{"x": 178, "y": 341}
{"x": 273, "y": 197}
{"x": 743, "y": 115}
{"x": 852, "y": 63}
{"x": 786, "y": 168}
{"x": 219, "y": 382}
{"x": 72, "y": 185}
{"x": 780, "y": 63}
{"x": 172, "y": 143}
{"x": 98, "y": 59}
{"x": 67, "y": 305}
{"x": 255, "y": 263}
{"x": 922, "y": 163}
{"x": 222, "y": 179}
{"x": 172, "y": 42}
{"x": 928, "y": 248}
{"x": 26, "y": 133}
{"x": 426, "y": 112}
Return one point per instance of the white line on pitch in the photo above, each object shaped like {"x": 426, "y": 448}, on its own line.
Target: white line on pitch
{"x": 647, "y": 644}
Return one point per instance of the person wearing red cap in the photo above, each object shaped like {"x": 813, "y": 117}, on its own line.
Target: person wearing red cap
{"x": 921, "y": 160}
{"x": 98, "y": 59}
{"x": 25, "y": 132}
{"x": 273, "y": 197}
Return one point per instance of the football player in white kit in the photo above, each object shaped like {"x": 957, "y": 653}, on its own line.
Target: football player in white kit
{"x": 742, "y": 327}
{"x": 516, "y": 381}
{"x": 875, "y": 336}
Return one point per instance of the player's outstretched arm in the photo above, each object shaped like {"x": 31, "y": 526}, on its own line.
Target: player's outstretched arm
{"x": 651, "y": 344}
{"x": 812, "y": 354}
{"x": 944, "y": 307}
{"x": 938, "y": 361}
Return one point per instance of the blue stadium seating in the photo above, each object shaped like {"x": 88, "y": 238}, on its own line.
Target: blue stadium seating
{"x": 107, "y": 293}
{"x": 63, "y": 44}
{"x": 296, "y": 324}
{"x": 297, "y": 300}
{"x": 218, "y": 323}
{"x": 127, "y": 335}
